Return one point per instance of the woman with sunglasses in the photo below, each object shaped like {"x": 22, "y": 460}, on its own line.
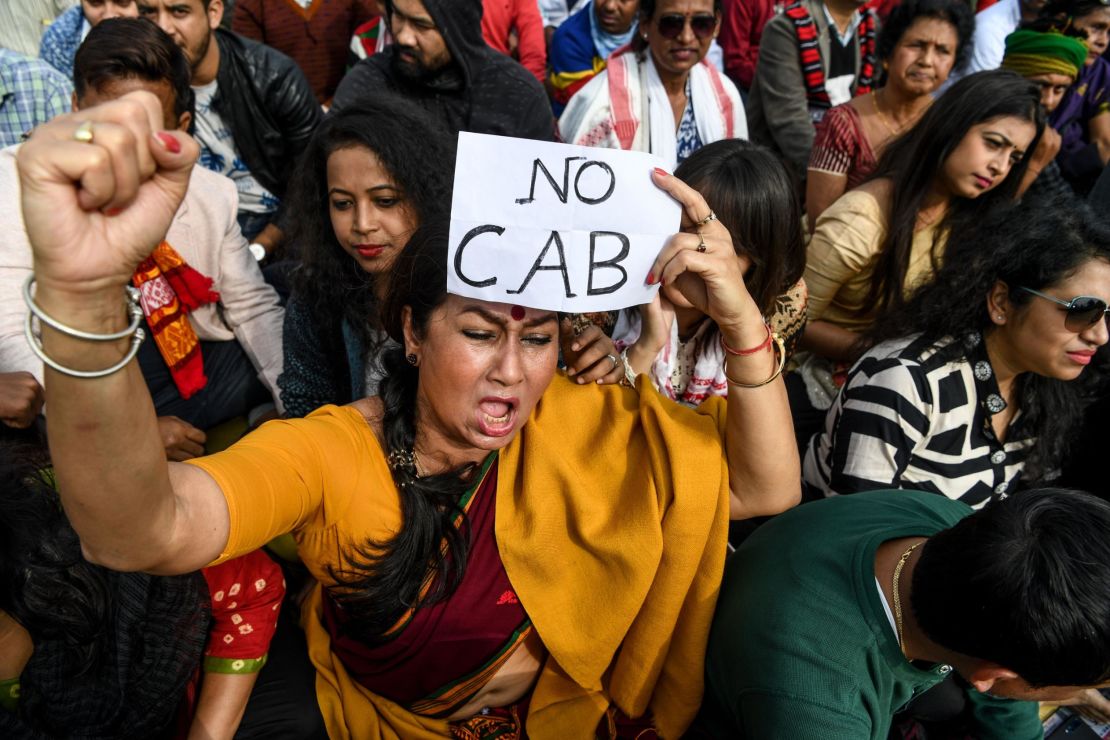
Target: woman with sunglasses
{"x": 969, "y": 390}
{"x": 920, "y": 43}
{"x": 659, "y": 94}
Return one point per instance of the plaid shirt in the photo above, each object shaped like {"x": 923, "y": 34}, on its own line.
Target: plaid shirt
{"x": 31, "y": 92}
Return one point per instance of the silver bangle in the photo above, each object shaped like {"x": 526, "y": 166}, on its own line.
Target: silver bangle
{"x": 134, "y": 311}
{"x": 133, "y": 330}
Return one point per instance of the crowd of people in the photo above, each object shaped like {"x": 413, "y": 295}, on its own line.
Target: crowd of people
{"x": 262, "y": 475}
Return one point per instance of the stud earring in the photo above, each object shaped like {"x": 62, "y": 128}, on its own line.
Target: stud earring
{"x": 412, "y": 359}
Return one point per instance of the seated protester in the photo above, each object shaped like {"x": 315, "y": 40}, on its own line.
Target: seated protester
{"x": 370, "y": 176}
{"x": 677, "y": 345}
{"x": 313, "y": 33}
{"x": 918, "y": 46}
{"x": 741, "y": 28}
{"x": 440, "y": 61}
{"x": 31, "y": 92}
{"x": 1083, "y": 116}
{"x": 213, "y": 348}
{"x": 663, "y": 79}
{"x": 515, "y": 28}
{"x": 62, "y": 38}
{"x": 834, "y": 615}
{"x": 255, "y": 111}
{"x": 992, "y": 26}
{"x": 580, "y": 47}
{"x": 86, "y": 650}
{"x": 421, "y": 511}
{"x": 1052, "y": 60}
{"x": 816, "y": 55}
{"x": 967, "y": 393}
{"x": 876, "y": 244}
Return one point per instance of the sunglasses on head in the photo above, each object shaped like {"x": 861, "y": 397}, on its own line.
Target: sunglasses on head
{"x": 702, "y": 24}
{"x": 1083, "y": 311}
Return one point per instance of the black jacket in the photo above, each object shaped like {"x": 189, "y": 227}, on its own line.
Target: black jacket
{"x": 265, "y": 100}
{"x": 480, "y": 90}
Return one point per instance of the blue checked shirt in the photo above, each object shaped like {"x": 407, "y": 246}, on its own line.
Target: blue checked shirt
{"x": 31, "y": 92}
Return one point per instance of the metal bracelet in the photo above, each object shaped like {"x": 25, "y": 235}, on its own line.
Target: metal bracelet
{"x": 134, "y": 331}
{"x": 778, "y": 371}
{"x": 629, "y": 374}
{"x": 134, "y": 311}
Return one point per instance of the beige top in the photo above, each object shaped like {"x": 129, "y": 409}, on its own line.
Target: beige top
{"x": 841, "y": 257}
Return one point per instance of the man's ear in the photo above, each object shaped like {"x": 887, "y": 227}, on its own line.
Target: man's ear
{"x": 987, "y": 674}
{"x": 73, "y": 102}
{"x": 215, "y": 13}
{"x": 184, "y": 121}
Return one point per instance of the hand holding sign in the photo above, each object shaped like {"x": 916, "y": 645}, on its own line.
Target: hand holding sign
{"x": 555, "y": 226}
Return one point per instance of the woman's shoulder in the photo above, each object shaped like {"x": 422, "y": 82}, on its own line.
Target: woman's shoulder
{"x": 862, "y": 209}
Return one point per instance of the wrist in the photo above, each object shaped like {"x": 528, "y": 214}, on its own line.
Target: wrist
{"x": 640, "y": 357}
{"x": 98, "y": 310}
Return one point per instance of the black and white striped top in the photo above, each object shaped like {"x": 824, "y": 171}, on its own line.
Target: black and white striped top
{"x": 915, "y": 414}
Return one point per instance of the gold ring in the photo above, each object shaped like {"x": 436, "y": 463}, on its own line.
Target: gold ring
{"x": 701, "y": 244}
{"x": 711, "y": 217}
{"x": 84, "y": 133}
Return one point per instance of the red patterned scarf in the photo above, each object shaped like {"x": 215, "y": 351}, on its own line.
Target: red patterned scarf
{"x": 813, "y": 72}
{"x": 169, "y": 290}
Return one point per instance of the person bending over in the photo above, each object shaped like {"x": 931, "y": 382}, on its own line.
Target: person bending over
{"x": 834, "y": 615}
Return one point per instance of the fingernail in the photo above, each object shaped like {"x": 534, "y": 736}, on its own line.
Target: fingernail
{"x": 651, "y": 278}
{"x": 580, "y": 381}
{"x": 574, "y": 347}
{"x": 571, "y": 372}
{"x": 113, "y": 212}
{"x": 172, "y": 145}
{"x": 660, "y": 171}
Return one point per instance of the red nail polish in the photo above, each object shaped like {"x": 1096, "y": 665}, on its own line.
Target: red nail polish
{"x": 172, "y": 145}
{"x": 663, "y": 172}
{"x": 113, "y": 212}
{"x": 651, "y": 278}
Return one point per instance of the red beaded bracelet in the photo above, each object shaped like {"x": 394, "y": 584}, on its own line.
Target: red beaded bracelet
{"x": 744, "y": 352}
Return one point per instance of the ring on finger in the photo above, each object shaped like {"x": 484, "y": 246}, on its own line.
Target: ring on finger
{"x": 84, "y": 132}
{"x": 613, "y": 359}
{"x": 711, "y": 217}
{"x": 701, "y": 244}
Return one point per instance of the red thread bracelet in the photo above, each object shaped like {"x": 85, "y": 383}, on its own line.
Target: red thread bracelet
{"x": 744, "y": 352}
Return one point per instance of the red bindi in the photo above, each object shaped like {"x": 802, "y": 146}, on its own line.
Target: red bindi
{"x": 517, "y": 313}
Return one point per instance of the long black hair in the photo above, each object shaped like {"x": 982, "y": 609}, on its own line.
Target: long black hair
{"x": 380, "y": 581}
{"x": 914, "y": 160}
{"x": 418, "y": 156}
{"x": 1034, "y": 245}
{"x": 754, "y": 197}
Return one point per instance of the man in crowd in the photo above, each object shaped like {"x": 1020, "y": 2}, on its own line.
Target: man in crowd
{"x": 992, "y": 26}
{"x": 316, "y": 34}
{"x": 213, "y": 349}
{"x": 515, "y": 28}
{"x": 439, "y": 60}
{"x": 580, "y": 46}
{"x": 834, "y": 615}
{"x": 31, "y": 92}
{"x": 255, "y": 112}
{"x": 742, "y": 25}
{"x": 817, "y": 54}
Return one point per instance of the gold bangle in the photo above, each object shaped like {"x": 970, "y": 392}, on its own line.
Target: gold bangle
{"x": 778, "y": 370}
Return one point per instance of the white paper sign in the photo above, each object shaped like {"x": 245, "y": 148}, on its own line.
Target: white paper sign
{"x": 555, "y": 226}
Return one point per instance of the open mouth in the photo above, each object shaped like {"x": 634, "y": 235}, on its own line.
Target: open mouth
{"x": 495, "y": 415}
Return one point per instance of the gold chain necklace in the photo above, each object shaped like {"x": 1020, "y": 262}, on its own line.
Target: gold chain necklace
{"x": 897, "y": 597}
{"x": 882, "y": 117}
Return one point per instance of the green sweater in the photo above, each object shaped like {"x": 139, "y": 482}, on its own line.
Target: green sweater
{"x": 801, "y": 646}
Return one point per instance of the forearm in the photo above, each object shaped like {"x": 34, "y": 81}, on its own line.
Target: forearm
{"x": 223, "y": 700}
{"x": 759, "y": 434}
{"x": 104, "y": 442}
{"x": 831, "y": 341}
{"x": 270, "y": 238}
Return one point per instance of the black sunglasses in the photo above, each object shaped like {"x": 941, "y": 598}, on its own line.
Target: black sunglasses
{"x": 702, "y": 24}
{"x": 1083, "y": 311}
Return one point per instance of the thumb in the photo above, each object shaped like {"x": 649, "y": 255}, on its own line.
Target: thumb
{"x": 175, "y": 153}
